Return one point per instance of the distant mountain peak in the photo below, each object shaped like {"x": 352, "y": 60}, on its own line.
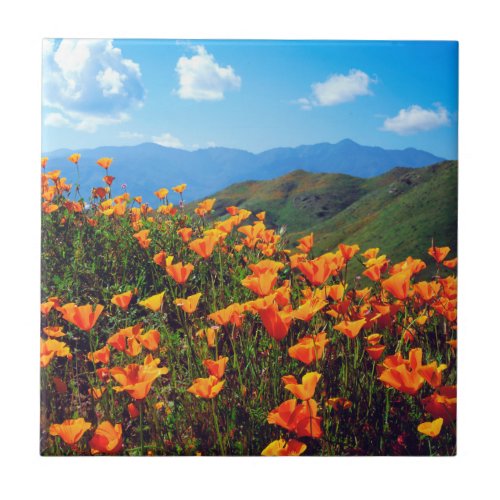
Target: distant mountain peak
{"x": 148, "y": 166}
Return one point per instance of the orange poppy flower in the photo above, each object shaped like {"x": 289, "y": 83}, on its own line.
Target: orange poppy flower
{"x": 309, "y": 349}
{"x": 306, "y": 421}
{"x": 371, "y": 253}
{"x": 373, "y": 272}
{"x": 185, "y": 233}
{"x": 438, "y": 253}
{"x": 282, "y": 415}
{"x": 70, "y": 431}
{"x": 231, "y": 314}
{"x": 350, "y": 328}
{"x": 348, "y": 251}
{"x": 282, "y": 448}
{"x": 216, "y": 368}
{"x": 97, "y": 392}
{"x": 318, "y": 270}
{"x": 51, "y": 348}
{"x": 452, "y": 343}
{"x": 306, "y": 243}
{"x": 104, "y": 162}
{"x": 403, "y": 374}
{"x": 427, "y": 290}
{"x": 411, "y": 265}
{"x": 442, "y": 403}
{"x": 374, "y": 338}
{"x": 398, "y": 284}
{"x": 432, "y": 373}
{"x": 309, "y": 308}
{"x": 46, "y": 307}
{"x": 137, "y": 379}
{"x": 162, "y": 260}
{"x": 204, "y": 207}
{"x": 133, "y": 410}
{"x": 253, "y": 233}
{"x": 103, "y": 374}
{"x": 119, "y": 339}
{"x": 339, "y": 403}
{"x": 179, "y": 272}
{"x": 133, "y": 348}
{"x": 150, "y": 340}
{"x": 122, "y": 300}
{"x": 277, "y": 323}
{"x": 142, "y": 238}
{"x": 100, "y": 356}
{"x": 108, "y": 179}
{"x": 232, "y": 210}
{"x": 306, "y": 389}
{"x": 262, "y": 284}
{"x": 450, "y": 264}
{"x": 261, "y": 216}
{"x": 99, "y": 192}
{"x": 180, "y": 188}
{"x": 161, "y": 193}
{"x": 375, "y": 351}
{"x": 84, "y": 317}
{"x": 53, "y": 175}
{"x": 54, "y": 331}
{"x": 211, "y": 336}
{"x": 206, "y": 388}
{"x": 74, "y": 158}
{"x": 107, "y": 439}
{"x": 154, "y": 302}
{"x": 336, "y": 292}
{"x": 44, "y": 161}
{"x": 431, "y": 429}
{"x": 189, "y": 304}
{"x": 48, "y": 208}
{"x": 204, "y": 246}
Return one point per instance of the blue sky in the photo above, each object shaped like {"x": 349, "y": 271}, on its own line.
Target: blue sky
{"x": 250, "y": 95}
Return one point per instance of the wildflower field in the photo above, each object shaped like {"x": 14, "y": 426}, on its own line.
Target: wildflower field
{"x": 170, "y": 332}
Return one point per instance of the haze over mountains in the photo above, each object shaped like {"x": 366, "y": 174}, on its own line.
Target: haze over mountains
{"x": 147, "y": 167}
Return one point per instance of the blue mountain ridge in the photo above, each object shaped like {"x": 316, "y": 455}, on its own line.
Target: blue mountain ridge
{"x": 146, "y": 167}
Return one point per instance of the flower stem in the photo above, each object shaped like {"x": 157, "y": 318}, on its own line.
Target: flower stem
{"x": 216, "y": 424}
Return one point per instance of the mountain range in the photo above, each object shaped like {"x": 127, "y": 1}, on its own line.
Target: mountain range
{"x": 144, "y": 168}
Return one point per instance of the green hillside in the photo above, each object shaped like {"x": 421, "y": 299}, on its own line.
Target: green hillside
{"x": 400, "y": 211}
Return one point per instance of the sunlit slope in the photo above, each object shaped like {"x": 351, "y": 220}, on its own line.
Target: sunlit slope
{"x": 399, "y": 211}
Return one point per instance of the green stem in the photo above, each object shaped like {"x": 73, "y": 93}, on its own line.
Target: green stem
{"x": 140, "y": 426}
{"x": 216, "y": 424}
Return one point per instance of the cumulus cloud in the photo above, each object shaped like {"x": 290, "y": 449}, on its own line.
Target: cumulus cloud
{"x": 89, "y": 83}
{"x": 417, "y": 119}
{"x": 167, "y": 140}
{"x": 56, "y": 120}
{"x": 202, "y": 79}
{"x": 337, "y": 89}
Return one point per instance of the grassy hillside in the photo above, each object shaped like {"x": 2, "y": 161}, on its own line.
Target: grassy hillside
{"x": 400, "y": 211}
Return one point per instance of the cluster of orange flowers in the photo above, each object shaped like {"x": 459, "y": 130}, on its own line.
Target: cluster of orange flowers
{"x": 396, "y": 302}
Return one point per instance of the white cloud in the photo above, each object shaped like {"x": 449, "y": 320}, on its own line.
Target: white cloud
{"x": 89, "y": 83}
{"x": 110, "y": 81}
{"x": 56, "y": 120}
{"x": 417, "y": 119}
{"x": 167, "y": 140}
{"x": 304, "y": 103}
{"x": 202, "y": 79}
{"x": 337, "y": 89}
